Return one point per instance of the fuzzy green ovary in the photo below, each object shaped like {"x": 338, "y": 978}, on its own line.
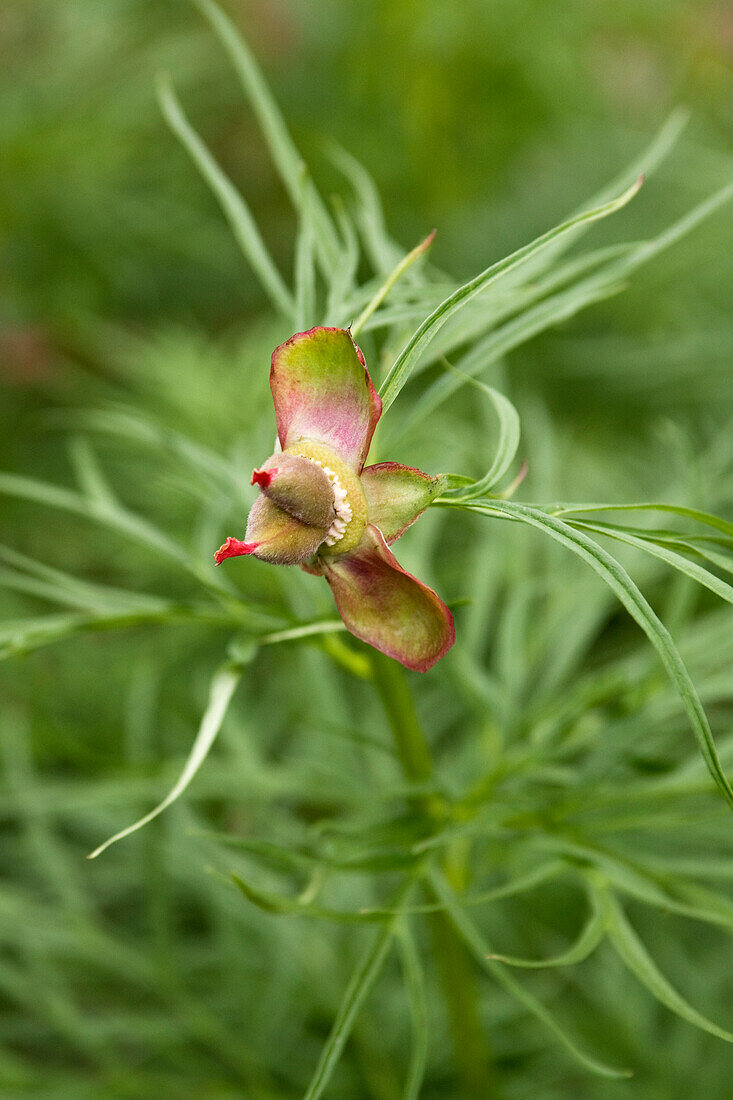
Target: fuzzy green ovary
{"x": 354, "y": 494}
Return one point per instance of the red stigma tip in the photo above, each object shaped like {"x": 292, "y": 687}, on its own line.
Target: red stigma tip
{"x": 233, "y": 548}
{"x": 262, "y": 477}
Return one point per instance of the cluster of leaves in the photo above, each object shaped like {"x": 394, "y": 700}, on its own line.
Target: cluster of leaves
{"x": 563, "y": 781}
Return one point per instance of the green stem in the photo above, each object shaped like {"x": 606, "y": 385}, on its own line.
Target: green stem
{"x": 455, "y": 967}
{"x": 394, "y": 691}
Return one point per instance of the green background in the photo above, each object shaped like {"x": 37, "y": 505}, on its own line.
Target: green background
{"x": 142, "y": 975}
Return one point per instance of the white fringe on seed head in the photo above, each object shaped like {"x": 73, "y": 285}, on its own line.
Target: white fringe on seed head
{"x": 341, "y": 506}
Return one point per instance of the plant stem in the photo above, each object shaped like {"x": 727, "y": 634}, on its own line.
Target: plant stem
{"x": 394, "y": 691}
{"x": 454, "y": 964}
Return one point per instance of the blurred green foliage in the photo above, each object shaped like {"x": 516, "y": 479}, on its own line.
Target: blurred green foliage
{"x": 140, "y": 975}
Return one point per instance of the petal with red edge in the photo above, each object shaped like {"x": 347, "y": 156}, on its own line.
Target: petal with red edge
{"x": 322, "y": 391}
{"x": 396, "y": 495}
{"x": 388, "y": 608}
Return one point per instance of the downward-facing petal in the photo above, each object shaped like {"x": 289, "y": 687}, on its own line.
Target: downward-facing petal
{"x": 322, "y": 391}
{"x": 387, "y": 607}
{"x": 396, "y": 495}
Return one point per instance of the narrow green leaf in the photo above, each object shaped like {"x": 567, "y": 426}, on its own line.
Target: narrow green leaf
{"x": 303, "y": 630}
{"x": 634, "y": 954}
{"x": 543, "y": 873}
{"x": 35, "y": 577}
{"x": 280, "y": 904}
{"x": 382, "y": 251}
{"x": 406, "y": 360}
{"x": 476, "y": 944}
{"x": 651, "y": 157}
{"x": 286, "y": 157}
{"x": 508, "y": 442}
{"x": 222, "y": 689}
{"x": 556, "y": 309}
{"x": 406, "y": 262}
{"x": 639, "y": 884}
{"x": 677, "y": 561}
{"x": 343, "y": 278}
{"x": 114, "y": 516}
{"x": 586, "y": 943}
{"x": 705, "y": 518}
{"x": 623, "y": 261}
{"x": 21, "y": 636}
{"x": 235, "y": 209}
{"x": 645, "y": 163}
{"x": 92, "y": 480}
{"x": 621, "y": 583}
{"x": 361, "y": 982}
{"x": 131, "y": 425}
{"x": 305, "y": 274}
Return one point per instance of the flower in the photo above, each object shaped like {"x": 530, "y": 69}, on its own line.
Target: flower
{"x": 321, "y": 508}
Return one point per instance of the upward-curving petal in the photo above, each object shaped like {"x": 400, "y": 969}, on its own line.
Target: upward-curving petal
{"x": 388, "y": 608}
{"x": 396, "y": 495}
{"x": 322, "y": 391}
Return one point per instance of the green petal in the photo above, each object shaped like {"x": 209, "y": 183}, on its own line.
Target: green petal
{"x": 396, "y": 495}
{"x": 322, "y": 391}
{"x": 388, "y": 608}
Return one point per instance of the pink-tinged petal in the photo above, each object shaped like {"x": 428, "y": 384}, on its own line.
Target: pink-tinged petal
{"x": 388, "y": 608}
{"x": 322, "y": 391}
{"x": 298, "y": 486}
{"x": 396, "y": 495}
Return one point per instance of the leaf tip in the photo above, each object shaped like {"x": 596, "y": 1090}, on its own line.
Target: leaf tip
{"x": 425, "y": 245}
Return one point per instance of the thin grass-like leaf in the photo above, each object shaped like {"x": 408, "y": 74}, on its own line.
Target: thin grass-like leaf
{"x": 343, "y": 278}
{"x": 644, "y": 164}
{"x": 114, "y": 516}
{"x": 545, "y": 314}
{"x": 677, "y": 561}
{"x": 131, "y": 425}
{"x": 286, "y": 157}
{"x": 623, "y": 261}
{"x": 383, "y": 253}
{"x": 476, "y": 944}
{"x": 377, "y": 299}
{"x": 621, "y": 583}
{"x": 639, "y": 884}
{"x": 222, "y": 689}
{"x": 305, "y": 272}
{"x": 361, "y": 982}
{"x": 406, "y": 360}
{"x": 635, "y": 956}
{"x": 508, "y": 442}
{"x": 90, "y": 476}
{"x": 545, "y": 872}
{"x": 590, "y": 937}
{"x": 236, "y": 211}
{"x": 280, "y": 904}
{"x": 535, "y": 317}
{"x": 705, "y": 518}
{"x": 37, "y": 578}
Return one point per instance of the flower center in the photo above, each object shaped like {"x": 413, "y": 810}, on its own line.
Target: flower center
{"x": 349, "y": 502}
